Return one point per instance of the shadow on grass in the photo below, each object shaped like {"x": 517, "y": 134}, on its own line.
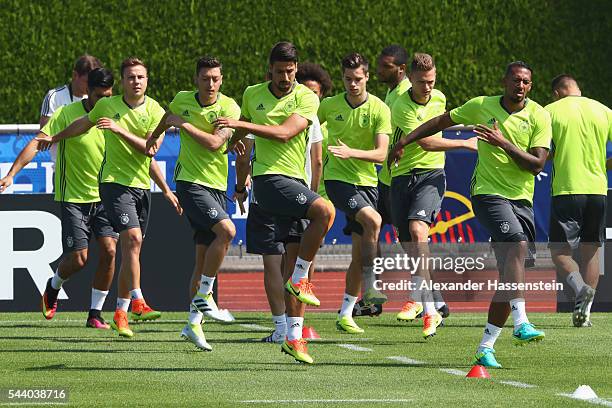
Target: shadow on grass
{"x": 63, "y": 367}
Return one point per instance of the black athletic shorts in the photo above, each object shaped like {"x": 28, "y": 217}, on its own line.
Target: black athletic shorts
{"x": 384, "y": 203}
{"x": 506, "y": 221}
{"x": 576, "y": 218}
{"x": 204, "y": 208}
{"x": 126, "y": 207}
{"x": 80, "y": 220}
{"x": 261, "y": 233}
{"x": 350, "y": 198}
{"x": 416, "y": 196}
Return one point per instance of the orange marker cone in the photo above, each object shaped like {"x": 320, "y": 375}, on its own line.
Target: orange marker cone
{"x": 478, "y": 371}
{"x": 309, "y": 333}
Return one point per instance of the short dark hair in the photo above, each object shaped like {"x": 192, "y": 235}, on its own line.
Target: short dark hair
{"x": 132, "y": 62}
{"x": 100, "y": 78}
{"x": 283, "y": 51}
{"x": 562, "y": 81}
{"x": 399, "y": 54}
{"x": 519, "y": 64}
{"x": 308, "y": 71}
{"x": 422, "y": 62}
{"x": 85, "y": 63}
{"x": 355, "y": 60}
{"x": 208, "y": 62}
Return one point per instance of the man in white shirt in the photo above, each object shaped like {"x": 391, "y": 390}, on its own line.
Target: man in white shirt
{"x": 71, "y": 92}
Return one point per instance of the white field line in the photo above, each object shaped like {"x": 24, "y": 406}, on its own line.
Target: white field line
{"x": 454, "y": 371}
{"x": 354, "y": 347}
{"x": 331, "y": 401}
{"x": 406, "y": 360}
{"x": 254, "y": 326}
{"x": 517, "y": 384}
{"x": 596, "y": 401}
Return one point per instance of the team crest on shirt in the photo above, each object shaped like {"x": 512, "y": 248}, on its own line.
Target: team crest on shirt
{"x": 211, "y": 116}
{"x": 143, "y": 120}
{"x": 524, "y": 126}
{"x": 301, "y": 198}
{"x": 491, "y": 121}
{"x": 364, "y": 120}
{"x": 69, "y": 242}
{"x": 504, "y": 227}
{"x": 289, "y": 106}
{"x": 352, "y": 203}
{"x": 117, "y": 116}
{"x": 212, "y": 213}
{"x": 419, "y": 117}
{"x": 124, "y": 219}
{"x": 185, "y": 113}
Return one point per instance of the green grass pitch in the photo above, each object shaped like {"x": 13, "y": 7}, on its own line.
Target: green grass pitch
{"x": 156, "y": 368}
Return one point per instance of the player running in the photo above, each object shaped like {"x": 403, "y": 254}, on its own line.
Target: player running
{"x": 278, "y": 112}
{"x": 418, "y": 180}
{"x": 201, "y": 183}
{"x": 358, "y": 126}
{"x": 127, "y": 121}
{"x": 514, "y": 146}
{"x": 581, "y": 127}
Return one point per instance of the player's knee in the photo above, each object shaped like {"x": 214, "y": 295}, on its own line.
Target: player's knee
{"x": 419, "y": 231}
{"x": 132, "y": 239}
{"x": 371, "y": 221}
{"x": 226, "y": 231}
{"x": 79, "y": 258}
{"x": 321, "y": 210}
{"x": 108, "y": 251}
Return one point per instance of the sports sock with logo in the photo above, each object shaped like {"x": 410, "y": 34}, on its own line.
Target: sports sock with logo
{"x": 206, "y": 284}
{"x": 490, "y": 335}
{"x": 300, "y": 271}
{"x": 136, "y": 294}
{"x": 294, "y": 327}
{"x": 280, "y": 324}
{"x": 348, "y": 303}
{"x": 519, "y": 315}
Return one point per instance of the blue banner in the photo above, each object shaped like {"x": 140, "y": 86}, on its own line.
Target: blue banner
{"x": 456, "y": 222}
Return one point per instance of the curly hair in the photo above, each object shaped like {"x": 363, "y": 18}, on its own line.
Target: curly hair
{"x": 309, "y": 71}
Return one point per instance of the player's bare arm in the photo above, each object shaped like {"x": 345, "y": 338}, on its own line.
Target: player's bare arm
{"x": 429, "y": 128}
{"x": 376, "y": 155}
{"x": 532, "y": 160}
{"x": 159, "y": 179}
{"x": 76, "y": 128}
{"x": 25, "y": 156}
{"x": 290, "y": 128}
{"x": 155, "y": 140}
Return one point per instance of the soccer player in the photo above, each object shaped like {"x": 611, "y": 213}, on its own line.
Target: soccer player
{"x": 201, "y": 182}
{"x": 581, "y": 127}
{"x": 127, "y": 120}
{"x": 278, "y": 113}
{"x": 76, "y": 189}
{"x": 358, "y": 126}
{"x": 71, "y": 92}
{"x": 261, "y": 234}
{"x": 418, "y": 180}
{"x": 513, "y": 150}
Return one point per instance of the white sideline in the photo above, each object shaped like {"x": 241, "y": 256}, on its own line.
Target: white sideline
{"x": 280, "y": 401}
{"x": 354, "y": 347}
